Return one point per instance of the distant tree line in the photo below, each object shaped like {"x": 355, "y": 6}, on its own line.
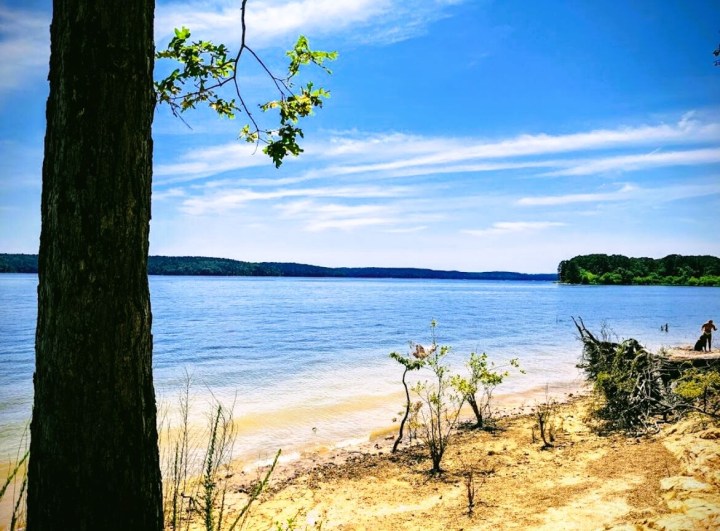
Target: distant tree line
{"x": 673, "y": 270}
{"x": 18, "y": 263}
{"x": 204, "y": 266}
{"x": 200, "y": 265}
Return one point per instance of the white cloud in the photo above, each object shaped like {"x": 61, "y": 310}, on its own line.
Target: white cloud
{"x": 267, "y": 22}
{"x": 232, "y": 198}
{"x": 629, "y": 192}
{"x": 555, "y": 200}
{"x": 643, "y": 161}
{"x": 349, "y": 223}
{"x": 413, "y": 153}
{"x": 203, "y": 162}
{"x": 351, "y": 170}
{"x": 407, "y": 230}
{"x": 397, "y": 216}
{"x": 513, "y": 227}
{"x": 168, "y": 194}
{"x": 400, "y": 155}
{"x": 318, "y": 217}
{"x": 25, "y": 35}
{"x": 276, "y": 22}
{"x": 24, "y": 47}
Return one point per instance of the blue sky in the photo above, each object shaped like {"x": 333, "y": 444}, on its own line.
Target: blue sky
{"x": 470, "y": 135}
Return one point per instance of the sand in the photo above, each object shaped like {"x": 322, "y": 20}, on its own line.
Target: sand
{"x": 670, "y": 480}
{"x": 686, "y": 353}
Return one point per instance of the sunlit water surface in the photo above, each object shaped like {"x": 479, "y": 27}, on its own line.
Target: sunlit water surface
{"x": 305, "y": 361}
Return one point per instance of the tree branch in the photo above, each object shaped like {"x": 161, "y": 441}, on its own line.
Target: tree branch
{"x": 210, "y": 76}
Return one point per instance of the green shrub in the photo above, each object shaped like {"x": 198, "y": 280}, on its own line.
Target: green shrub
{"x": 701, "y": 388}
{"x": 478, "y": 386}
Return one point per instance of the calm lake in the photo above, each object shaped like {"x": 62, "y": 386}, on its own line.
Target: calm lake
{"x": 305, "y": 361}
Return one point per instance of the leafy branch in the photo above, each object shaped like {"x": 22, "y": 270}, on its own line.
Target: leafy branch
{"x": 478, "y": 386}
{"x": 207, "y": 72}
{"x": 441, "y": 406}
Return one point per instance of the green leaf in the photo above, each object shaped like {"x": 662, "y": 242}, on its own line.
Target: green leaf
{"x": 205, "y": 74}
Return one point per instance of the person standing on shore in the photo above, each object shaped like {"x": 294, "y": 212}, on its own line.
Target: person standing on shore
{"x": 707, "y": 330}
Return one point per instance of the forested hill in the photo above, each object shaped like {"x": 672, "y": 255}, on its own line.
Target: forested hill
{"x": 198, "y": 265}
{"x": 674, "y": 270}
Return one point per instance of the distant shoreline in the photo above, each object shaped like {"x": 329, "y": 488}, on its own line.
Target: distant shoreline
{"x": 225, "y": 267}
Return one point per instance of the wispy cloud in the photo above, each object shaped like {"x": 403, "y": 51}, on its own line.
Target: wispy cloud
{"x": 629, "y": 192}
{"x": 276, "y": 21}
{"x": 203, "y": 162}
{"x": 407, "y": 230}
{"x": 555, "y": 200}
{"x": 24, "y": 46}
{"x": 691, "y": 157}
{"x": 342, "y": 184}
{"x": 513, "y": 227}
{"x": 444, "y": 151}
{"x": 319, "y": 217}
{"x": 167, "y": 194}
{"x": 227, "y": 199}
{"x": 25, "y": 35}
{"x": 394, "y": 155}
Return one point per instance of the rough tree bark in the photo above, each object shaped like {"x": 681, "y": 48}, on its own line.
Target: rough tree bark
{"x": 93, "y": 451}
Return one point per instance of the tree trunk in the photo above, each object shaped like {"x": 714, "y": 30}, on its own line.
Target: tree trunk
{"x": 407, "y": 413}
{"x": 93, "y": 452}
{"x": 476, "y": 409}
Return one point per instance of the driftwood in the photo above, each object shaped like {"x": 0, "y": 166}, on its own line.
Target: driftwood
{"x": 637, "y": 385}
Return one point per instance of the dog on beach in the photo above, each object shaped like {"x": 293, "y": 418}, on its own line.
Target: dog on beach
{"x": 701, "y": 344}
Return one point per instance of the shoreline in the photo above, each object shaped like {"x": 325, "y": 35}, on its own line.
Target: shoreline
{"x": 380, "y": 440}
{"x": 585, "y": 481}
{"x": 381, "y": 437}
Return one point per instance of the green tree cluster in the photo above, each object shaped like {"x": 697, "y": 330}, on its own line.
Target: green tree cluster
{"x": 199, "y": 265}
{"x": 672, "y": 270}
{"x": 18, "y": 263}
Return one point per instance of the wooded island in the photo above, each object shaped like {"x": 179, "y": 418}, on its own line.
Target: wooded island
{"x": 673, "y": 270}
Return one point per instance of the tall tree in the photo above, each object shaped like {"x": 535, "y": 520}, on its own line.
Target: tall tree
{"x": 93, "y": 450}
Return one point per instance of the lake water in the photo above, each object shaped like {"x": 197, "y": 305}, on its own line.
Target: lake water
{"x": 306, "y": 360}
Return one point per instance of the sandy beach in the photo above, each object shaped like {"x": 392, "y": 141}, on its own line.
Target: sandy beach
{"x": 584, "y": 481}
{"x": 666, "y": 481}
{"x": 670, "y": 480}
